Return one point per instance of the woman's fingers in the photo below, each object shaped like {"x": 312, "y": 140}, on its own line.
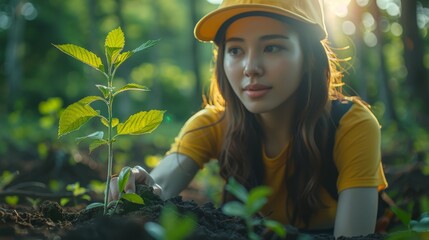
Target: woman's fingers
{"x": 157, "y": 189}
{"x": 138, "y": 175}
{"x": 113, "y": 191}
{"x": 142, "y": 176}
{"x": 130, "y": 187}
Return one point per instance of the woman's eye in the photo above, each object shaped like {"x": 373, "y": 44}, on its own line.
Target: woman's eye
{"x": 273, "y": 48}
{"x": 234, "y": 51}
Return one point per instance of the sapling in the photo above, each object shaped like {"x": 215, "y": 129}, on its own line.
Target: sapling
{"x": 251, "y": 203}
{"x": 80, "y": 112}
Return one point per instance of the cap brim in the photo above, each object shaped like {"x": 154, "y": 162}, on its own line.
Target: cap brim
{"x": 206, "y": 29}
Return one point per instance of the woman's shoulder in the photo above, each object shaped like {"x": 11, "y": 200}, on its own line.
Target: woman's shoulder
{"x": 359, "y": 114}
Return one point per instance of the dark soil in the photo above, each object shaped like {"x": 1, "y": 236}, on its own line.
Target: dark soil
{"x": 51, "y": 221}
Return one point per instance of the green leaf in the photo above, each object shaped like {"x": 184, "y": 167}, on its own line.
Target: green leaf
{"x": 74, "y": 116}
{"x": 402, "y": 215}
{"x": 254, "y": 236}
{"x": 176, "y": 225}
{"x": 276, "y": 227}
{"x": 132, "y": 197}
{"x": 95, "y": 135}
{"x": 420, "y": 226}
{"x": 90, "y": 99}
{"x": 114, "y": 44}
{"x": 11, "y": 200}
{"x": 123, "y": 178}
{"x": 140, "y": 123}
{"x": 96, "y": 144}
{"x": 146, "y": 45}
{"x": 64, "y": 201}
{"x": 235, "y": 209}
{"x": 115, "y": 122}
{"x": 82, "y": 55}
{"x": 182, "y": 228}
{"x": 104, "y": 90}
{"x": 122, "y": 57}
{"x": 257, "y": 198}
{"x": 155, "y": 230}
{"x": 132, "y": 87}
{"x": 256, "y": 205}
{"x": 86, "y": 197}
{"x": 237, "y": 190}
{"x": 94, "y": 205}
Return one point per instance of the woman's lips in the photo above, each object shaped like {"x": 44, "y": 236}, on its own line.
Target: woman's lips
{"x": 256, "y": 90}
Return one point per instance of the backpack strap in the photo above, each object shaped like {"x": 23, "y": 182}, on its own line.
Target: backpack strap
{"x": 329, "y": 180}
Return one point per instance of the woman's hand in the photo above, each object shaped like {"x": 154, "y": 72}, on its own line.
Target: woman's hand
{"x": 138, "y": 175}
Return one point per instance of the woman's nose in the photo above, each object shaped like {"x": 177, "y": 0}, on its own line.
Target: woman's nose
{"x": 253, "y": 66}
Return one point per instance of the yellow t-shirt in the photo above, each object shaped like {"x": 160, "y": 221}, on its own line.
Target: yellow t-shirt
{"x": 357, "y": 157}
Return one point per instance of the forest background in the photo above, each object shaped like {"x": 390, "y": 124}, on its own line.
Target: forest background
{"x": 384, "y": 45}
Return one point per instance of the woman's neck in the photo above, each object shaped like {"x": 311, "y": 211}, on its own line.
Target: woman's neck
{"x": 277, "y": 127}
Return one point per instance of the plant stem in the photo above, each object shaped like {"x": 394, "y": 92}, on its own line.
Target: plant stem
{"x": 110, "y": 145}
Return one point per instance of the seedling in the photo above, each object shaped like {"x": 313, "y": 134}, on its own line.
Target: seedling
{"x": 251, "y": 203}
{"x": 172, "y": 226}
{"x": 77, "y": 191}
{"x": 80, "y": 112}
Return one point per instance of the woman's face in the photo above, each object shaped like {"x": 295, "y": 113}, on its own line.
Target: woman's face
{"x": 263, "y": 62}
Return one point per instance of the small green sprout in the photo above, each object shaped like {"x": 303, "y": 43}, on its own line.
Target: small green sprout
{"x": 251, "y": 203}
{"x": 77, "y": 192}
{"x": 172, "y": 226}
{"x": 80, "y": 112}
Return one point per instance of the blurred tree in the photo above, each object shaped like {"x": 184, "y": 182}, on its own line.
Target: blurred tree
{"x": 196, "y": 66}
{"x": 385, "y": 92}
{"x": 414, "y": 50}
{"x": 13, "y": 55}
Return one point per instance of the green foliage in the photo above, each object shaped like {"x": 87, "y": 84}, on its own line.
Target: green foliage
{"x": 34, "y": 202}
{"x": 6, "y": 178}
{"x": 172, "y": 225}
{"x": 415, "y": 229}
{"x": 251, "y": 203}
{"x": 79, "y": 113}
{"x": 77, "y": 192}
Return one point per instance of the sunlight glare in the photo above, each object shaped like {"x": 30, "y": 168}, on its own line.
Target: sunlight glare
{"x": 214, "y": 1}
{"x": 382, "y": 4}
{"x": 5, "y": 21}
{"x": 370, "y": 39}
{"x": 349, "y": 28}
{"x": 338, "y": 7}
{"x": 362, "y": 3}
{"x": 368, "y": 21}
{"x": 393, "y": 9}
{"x": 396, "y": 29}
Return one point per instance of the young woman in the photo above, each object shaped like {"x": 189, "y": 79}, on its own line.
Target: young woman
{"x": 268, "y": 117}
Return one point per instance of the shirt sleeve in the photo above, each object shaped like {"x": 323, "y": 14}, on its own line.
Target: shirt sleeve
{"x": 357, "y": 150}
{"x": 200, "y": 137}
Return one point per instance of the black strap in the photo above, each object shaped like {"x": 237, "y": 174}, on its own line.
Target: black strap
{"x": 339, "y": 108}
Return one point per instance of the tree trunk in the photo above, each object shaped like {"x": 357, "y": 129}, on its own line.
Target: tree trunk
{"x": 383, "y": 78}
{"x": 194, "y": 55}
{"x": 13, "y": 68}
{"x": 356, "y": 18}
{"x": 417, "y": 77}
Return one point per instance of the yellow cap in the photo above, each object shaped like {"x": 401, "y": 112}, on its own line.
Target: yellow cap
{"x": 308, "y": 11}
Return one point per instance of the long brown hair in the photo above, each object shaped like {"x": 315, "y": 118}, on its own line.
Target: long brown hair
{"x": 241, "y": 155}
